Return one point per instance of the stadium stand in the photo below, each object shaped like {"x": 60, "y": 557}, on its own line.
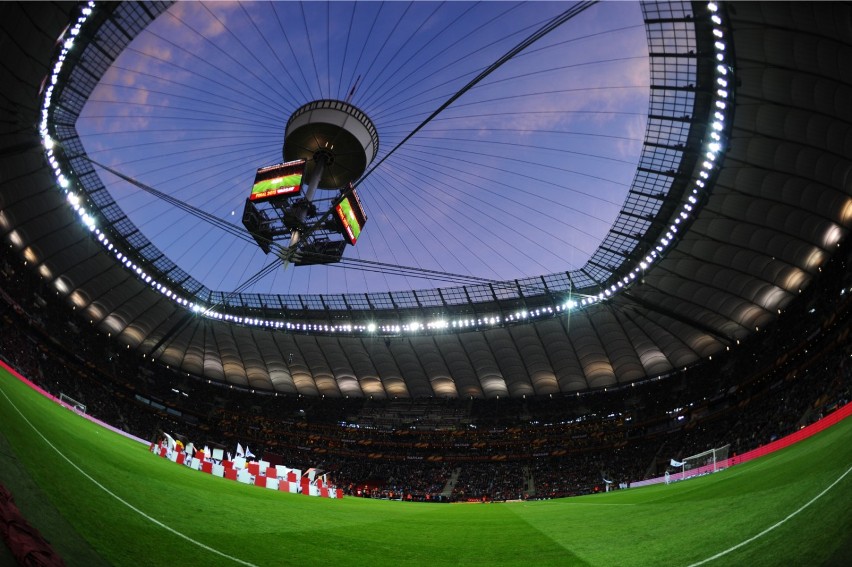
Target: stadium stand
{"x": 781, "y": 379}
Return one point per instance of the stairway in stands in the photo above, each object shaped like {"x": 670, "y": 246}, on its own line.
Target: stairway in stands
{"x": 451, "y": 484}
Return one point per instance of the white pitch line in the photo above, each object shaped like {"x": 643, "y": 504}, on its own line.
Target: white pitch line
{"x": 775, "y": 525}
{"x": 120, "y": 499}
{"x": 599, "y": 504}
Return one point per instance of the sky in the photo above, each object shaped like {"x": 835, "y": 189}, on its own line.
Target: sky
{"x": 522, "y": 175}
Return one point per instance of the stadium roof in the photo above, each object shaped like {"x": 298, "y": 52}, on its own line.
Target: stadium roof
{"x": 779, "y": 204}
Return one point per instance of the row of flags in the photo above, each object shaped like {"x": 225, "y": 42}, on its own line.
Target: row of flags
{"x": 313, "y": 482}
{"x": 240, "y": 453}
{"x": 173, "y": 444}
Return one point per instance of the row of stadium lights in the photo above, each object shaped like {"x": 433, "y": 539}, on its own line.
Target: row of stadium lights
{"x": 714, "y": 145}
{"x": 74, "y": 199}
{"x": 713, "y": 148}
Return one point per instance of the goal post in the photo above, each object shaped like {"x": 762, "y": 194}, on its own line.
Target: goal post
{"x": 69, "y": 401}
{"x": 706, "y": 462}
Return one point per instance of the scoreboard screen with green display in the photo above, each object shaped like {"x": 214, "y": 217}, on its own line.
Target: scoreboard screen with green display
{"x": 350, "y": 215}
{"x": 276, "y": 180}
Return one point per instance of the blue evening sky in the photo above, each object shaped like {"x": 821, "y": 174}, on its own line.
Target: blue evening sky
{"x": 522, "y": 175}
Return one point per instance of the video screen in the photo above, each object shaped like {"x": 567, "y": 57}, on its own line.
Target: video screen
{"x": 351, "y": 216}
{"x": 280, "y": 179}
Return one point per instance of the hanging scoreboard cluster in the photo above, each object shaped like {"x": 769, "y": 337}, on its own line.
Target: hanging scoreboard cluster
{"x": 276, "y": 208}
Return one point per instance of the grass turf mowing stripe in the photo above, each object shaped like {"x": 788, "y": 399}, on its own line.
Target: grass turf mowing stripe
{"x": 775, "y": 525}
{"x": 35, "y": 505}
{"x": 116, "y": 496}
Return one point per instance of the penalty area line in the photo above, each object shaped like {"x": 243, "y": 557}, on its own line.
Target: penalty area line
{"x": 775, "y": 525}
{"x": 119, "y": 498}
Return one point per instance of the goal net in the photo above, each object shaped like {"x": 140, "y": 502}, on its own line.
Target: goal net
{"x": 69, "y": 401}
{"x": 704, "y": 463}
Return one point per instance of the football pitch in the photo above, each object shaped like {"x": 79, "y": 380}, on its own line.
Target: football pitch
{"x": 102, "y": 499}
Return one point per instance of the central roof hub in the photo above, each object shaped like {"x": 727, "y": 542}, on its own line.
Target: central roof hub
{"x": 335, "y": 131}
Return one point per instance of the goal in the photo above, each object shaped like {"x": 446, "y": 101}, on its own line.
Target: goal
{"x": 69, "y": 401}
{"x": 705, "y": 463}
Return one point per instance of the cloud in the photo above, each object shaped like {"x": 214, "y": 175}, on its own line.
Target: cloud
{"x": 199, "y": 19}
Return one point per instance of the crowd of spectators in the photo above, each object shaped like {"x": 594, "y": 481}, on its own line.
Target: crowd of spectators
{"x": 778, "y": 380}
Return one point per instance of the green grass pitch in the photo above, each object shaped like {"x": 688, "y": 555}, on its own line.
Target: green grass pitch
{"x": 103, "y": 499}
